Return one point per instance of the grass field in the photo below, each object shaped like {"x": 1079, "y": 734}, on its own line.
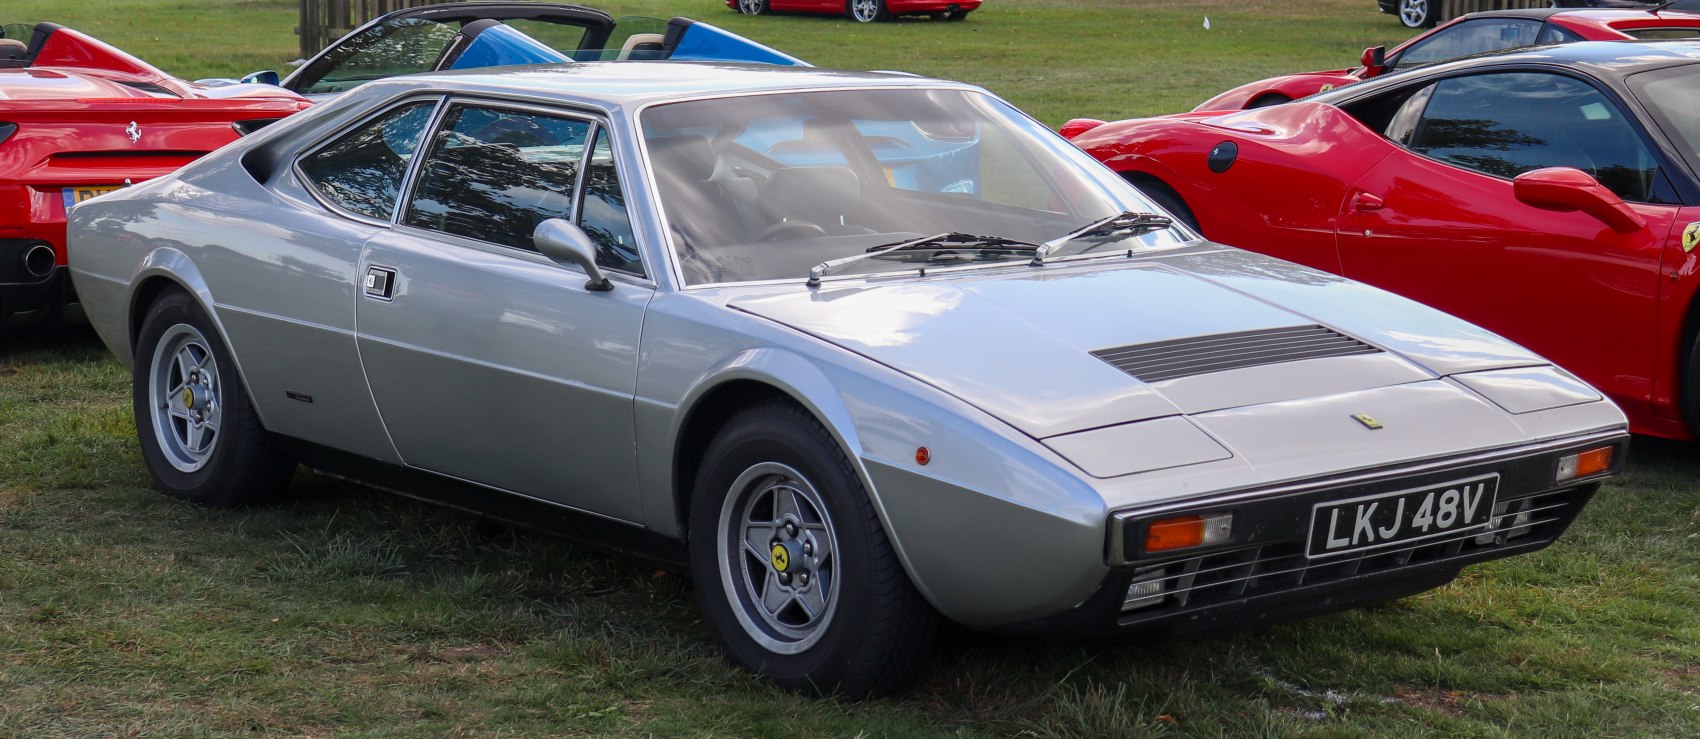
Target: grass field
{"x": 351, "y": 612}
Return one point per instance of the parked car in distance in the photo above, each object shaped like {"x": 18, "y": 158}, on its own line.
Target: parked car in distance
{"x": 1548, "y": 195}
{"x": 1427, "y": 13}
{"x": 863, "y": 11}
{"x": 468, "y": 35}
{"x": 79, "y": 117}
{"x": 1476, "y": 33}
{"x": 713, "y": 315}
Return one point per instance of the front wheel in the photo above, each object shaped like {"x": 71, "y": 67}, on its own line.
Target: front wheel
{"x": 867, "y": 11}
{"x": 200, "y": 437}
{"x": 1416, "y": 13}
{"x": 792, "y": 569}
{"x": 752, "y": 7}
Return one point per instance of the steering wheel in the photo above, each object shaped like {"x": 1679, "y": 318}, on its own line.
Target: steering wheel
{"x": 802, "y": 229}
{"x": 518, "y": 131}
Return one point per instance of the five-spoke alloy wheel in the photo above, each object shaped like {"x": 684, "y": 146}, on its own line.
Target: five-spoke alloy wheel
{"x": 752, "y": 7}
{"x": 1416, "y": 13}
{"x": 867, "y": 11}
{"x": 200, "y": 436}
{"x": 791, "y": 565}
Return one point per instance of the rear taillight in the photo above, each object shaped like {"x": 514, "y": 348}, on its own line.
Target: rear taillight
{"x": 243, "y": 128}
{"x": 6, "y": 131}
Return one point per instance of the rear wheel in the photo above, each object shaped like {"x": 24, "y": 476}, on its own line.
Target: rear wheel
{"x": 200, "y": 436}
{"x": 959, "y": 15}
{"x": 866, "y": 11}
{"x": 1416, "y": 13}
{"x": 752, "y": 7}
{"x": 792, "y": 569}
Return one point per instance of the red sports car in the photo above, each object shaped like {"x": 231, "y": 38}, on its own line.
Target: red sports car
{"x": 1471, "y": 34}
{"x": 1548, "y": 194}
{"x": 78, "y": 118}
{"x": 865, "y": 11}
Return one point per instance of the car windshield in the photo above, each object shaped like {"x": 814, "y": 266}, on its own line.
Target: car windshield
{"x": 765, "y": 187}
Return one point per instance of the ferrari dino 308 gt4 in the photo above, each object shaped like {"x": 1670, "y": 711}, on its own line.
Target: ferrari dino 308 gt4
{"x": 858, "y": 350}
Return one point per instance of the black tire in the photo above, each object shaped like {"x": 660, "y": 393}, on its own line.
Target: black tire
{"x": 754, "y": 7}
{"x": 243, "y": 464}
{"x": 871, "y": 11}
{"x": 1267, "y": 99}
{"x": 878, "y": 628}
{"x": 960, "y": 15}
{"x": 1166, "y": 198}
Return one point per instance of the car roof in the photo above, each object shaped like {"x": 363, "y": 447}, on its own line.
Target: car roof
{"x": 631, "y": 84}
{"x": 1610, "y": 60}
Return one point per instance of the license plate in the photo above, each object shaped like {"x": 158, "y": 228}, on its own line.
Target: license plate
{"x": 1387, "y": 519}
{"x": 74, "y": 195}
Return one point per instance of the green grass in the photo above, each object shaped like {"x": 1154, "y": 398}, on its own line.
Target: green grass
{"x": 351, "y": 612}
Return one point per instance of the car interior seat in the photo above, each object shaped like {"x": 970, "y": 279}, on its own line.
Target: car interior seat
{"x": 13, "y": 53}
{"x": 829, "y": 197}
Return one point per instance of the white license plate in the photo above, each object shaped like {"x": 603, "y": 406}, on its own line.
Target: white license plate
{"x": 1387, "y": 519}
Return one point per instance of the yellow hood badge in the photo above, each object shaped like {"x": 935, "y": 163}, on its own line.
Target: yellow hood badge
{"x": 1367, "y": 421}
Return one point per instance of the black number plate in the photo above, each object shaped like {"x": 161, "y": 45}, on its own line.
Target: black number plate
{"x": 1386, "y": 519}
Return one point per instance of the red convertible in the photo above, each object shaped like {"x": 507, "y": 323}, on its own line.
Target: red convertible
{"x": 78, "y": 118}
{"x": 1475, "y": 33}
{"x": 1548, "y": 194}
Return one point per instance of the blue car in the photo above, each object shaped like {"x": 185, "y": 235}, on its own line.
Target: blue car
{"x": 479, "y": 34}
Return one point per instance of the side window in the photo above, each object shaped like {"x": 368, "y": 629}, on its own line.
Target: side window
{"x": 1507, "y": 124}
{"x": 1556, "y": 34}
{"x": 402, "y": 46}
{"x": 362, "y": 170}
{"x": 494, "y": 174}
{"x": 604, "y": 217}
{"x": 1471, "y": 37}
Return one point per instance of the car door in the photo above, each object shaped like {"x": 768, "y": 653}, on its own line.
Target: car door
{"x": 489, "y": 362}
{"x": 1437, "y": 221}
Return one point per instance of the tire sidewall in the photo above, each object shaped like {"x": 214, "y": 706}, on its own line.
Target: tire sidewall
{"x": 775, "y": 437}
{"x": 202, "y": 485}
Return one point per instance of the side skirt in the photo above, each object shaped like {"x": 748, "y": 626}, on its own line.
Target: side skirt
{"x": 517, "y": 510}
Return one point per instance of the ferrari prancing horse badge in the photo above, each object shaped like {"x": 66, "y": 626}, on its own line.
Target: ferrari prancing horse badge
{"x": 1690, "y": 237}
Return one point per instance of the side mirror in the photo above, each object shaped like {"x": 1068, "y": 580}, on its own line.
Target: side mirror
{"x": 1566, "y": 190}
{"x": 267, "y": 77}
{"x": 1374, "y": 60}
{"x": 567, "y": 244}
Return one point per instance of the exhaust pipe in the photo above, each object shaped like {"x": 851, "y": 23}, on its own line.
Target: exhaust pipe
{"x": 38, "y": 261}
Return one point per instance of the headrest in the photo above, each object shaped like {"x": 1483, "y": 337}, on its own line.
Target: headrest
{"x": 811, "y": 193}
{"x": 689, "y": 158}
{"x": 11, "y": 48}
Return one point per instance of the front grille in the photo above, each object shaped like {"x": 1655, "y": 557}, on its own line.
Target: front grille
{"x": 1222, "y": 577}
{"x": 1167, "y": 360}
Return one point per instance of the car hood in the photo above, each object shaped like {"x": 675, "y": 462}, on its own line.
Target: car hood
{"x": 1019, "y": 344}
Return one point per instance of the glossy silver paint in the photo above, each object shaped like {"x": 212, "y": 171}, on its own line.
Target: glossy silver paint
{"x": 499, "y": 367}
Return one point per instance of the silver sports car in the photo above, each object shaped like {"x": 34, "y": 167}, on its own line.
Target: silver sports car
{"x": 860, "y": 351}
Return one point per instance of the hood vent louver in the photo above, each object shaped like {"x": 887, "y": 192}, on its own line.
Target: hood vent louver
{"x": 1167, "y": 360}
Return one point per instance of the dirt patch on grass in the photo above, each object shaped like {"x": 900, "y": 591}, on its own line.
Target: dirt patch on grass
{"x": 1439, "y": 700}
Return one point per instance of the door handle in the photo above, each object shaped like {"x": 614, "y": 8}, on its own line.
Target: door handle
{"x": 380, "y": 283}
{"x": 1366, "y": 201}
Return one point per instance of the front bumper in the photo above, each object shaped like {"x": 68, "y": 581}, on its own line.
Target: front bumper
{"x": 1263, "y": 574}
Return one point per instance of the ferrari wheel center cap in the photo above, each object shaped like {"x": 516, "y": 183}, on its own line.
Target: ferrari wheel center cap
{"x": 780, "y": 556}
{"x": 194, "y": 397}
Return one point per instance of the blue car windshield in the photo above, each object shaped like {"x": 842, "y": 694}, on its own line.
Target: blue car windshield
{"x": 764, "y": 187}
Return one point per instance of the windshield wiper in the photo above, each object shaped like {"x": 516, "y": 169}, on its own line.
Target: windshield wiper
{"x": 1106, "y": 229}
{"x": 951, "y": 241}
